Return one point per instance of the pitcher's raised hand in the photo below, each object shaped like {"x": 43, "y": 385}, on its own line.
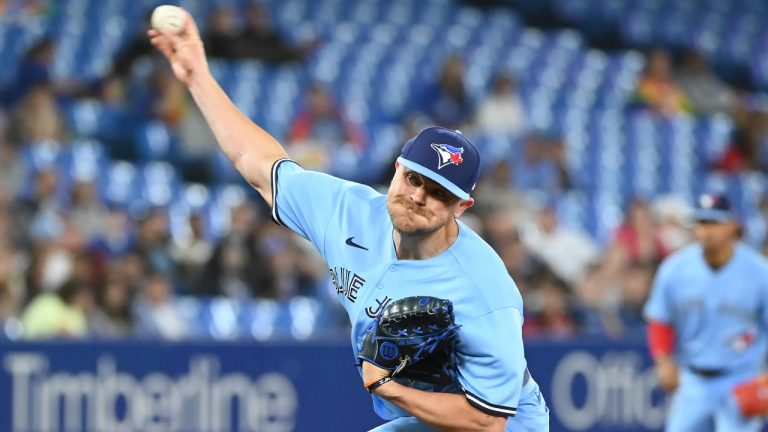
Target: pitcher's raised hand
{"x": 184, "y": 50}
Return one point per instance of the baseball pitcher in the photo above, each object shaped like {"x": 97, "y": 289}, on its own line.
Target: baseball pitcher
{"x": 436, "y": 318}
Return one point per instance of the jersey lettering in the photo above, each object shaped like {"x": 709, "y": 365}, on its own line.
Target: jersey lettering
{"x": 380, "y": 304}
{"x": 347, "y": 282}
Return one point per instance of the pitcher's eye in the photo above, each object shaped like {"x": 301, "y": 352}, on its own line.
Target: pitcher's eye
{"x": 412, "y": 178}
{"x": 440, "y": 194}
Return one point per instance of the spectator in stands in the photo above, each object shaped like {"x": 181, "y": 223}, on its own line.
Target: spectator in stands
{"x": 156, "y": 311}
{"x": 138, "y": 46}
{"x": 541, "y": 167}
{"x": 153, "y": 242}
{"x": 8, "y": 303}
{"x": 84, "y": 271}
{"x": 555, "y": 245}
{"x": 238, "y": 268}
{"x": 12, "y": 263}
{"x": 61, "y": 313}
{"x": 748, "y": 150}
{"x": 446, "y": 101}
{"x": 220, "y": 37}
{"x": 555, "y": 152}
{"x": 170, "y": 100}
{"x": 705, "y": 91}
{"x": 36, "y": 118}
{"x": 598, "y": 293}
{"x": 611, "y": 301}
{"x": 657, "y": 89}
{"x": 259, "y": 39}
{"x": 672, "y": 215}
{"x": 192, "y": 251}
{"x": 11, "y": 170}
{"x": 196, "y": 144}
{"x": 86, "y": 211}
{"x": 36, "y": 214}
{"x": 32, "y": 71}
{"x": 638, "y": 236}
{"x": 116, "y": 239}
{"x": 635, "y": 288}
{"x": 502, "y": 235}
{"x": 295, "y": 270}
{"x": 496, "y": 191}
{"x": 550, "y": 315}
{"x": 114, "y": 316}
{"x": 52, "y": 263}
{"x": 322, "y": 137}
{"x": 130, "y": 268}
{"x": 502, "y": 110}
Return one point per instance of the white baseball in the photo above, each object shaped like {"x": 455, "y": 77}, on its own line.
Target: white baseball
{"x": 168, "y": 18}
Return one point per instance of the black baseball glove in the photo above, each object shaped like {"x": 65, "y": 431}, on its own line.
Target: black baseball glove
{"x": 415, "y": 338}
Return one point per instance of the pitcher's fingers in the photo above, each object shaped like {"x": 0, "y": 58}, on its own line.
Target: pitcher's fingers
{"x": 163, "y": 45}
{"x": 190, "y": 28}
{"x": 176, "y": 41}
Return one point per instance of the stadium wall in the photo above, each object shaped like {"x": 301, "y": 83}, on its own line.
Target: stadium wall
{"x": 166, "y": 387}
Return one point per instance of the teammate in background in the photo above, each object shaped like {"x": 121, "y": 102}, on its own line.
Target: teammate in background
{"x": 708, "y": 323}
{"x": 380, "y": 248}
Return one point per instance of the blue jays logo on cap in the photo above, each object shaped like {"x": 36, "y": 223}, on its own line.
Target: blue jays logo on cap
{"x": 448, "y": 154}
{"x": 457, "y": 166}
{"x": 713, "y": 208}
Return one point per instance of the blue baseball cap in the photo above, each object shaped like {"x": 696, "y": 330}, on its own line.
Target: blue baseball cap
{"x": 445, "y": 156}
{"x": 713, "y": 208}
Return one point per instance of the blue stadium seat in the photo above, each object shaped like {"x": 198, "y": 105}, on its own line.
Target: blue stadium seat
{"x": 158, "y": 183}
{"x": 120, "y": 184}
{"x": 260, "y": 318}
{"x": 156, "y": 141}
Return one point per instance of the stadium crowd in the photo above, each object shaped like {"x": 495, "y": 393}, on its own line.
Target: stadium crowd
{"x": 74, "y": 263}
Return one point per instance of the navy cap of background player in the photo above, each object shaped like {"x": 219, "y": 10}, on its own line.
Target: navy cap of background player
{"x": 444, "y": 156}
{"x": 713, "y": 208}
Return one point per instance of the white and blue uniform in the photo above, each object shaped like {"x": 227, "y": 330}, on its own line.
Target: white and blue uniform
{"x": 720, "y": 317}
{"x": 349, "y": 225}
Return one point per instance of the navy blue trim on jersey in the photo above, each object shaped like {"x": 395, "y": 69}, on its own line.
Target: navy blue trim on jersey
{"x": 488, "y": 407}
{"x": 275, "y": 214}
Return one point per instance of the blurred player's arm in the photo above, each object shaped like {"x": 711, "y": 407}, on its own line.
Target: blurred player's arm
{"x": 661, "y": 343}
{"x": 444, "y": 411}
{"x": 252, "y": 150}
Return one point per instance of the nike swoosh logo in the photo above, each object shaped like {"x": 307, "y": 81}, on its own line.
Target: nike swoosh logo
{"x": 349, "y": 242}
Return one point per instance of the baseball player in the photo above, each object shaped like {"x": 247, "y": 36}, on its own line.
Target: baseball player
{"x": 381, "y": 248}
{"x": 707, "y": 323}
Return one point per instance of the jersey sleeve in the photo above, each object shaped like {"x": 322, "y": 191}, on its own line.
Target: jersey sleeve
{"x": 492, "y": 369}
{"x": 305, "y": 201}
{"x": 659, "y": 307}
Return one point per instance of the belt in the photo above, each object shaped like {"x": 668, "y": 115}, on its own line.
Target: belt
{"x": 707, "y": 373}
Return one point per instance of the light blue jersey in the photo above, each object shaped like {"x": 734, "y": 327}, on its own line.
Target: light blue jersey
{"x": 721, "y": 325}
{"x": 349, "y": 225}
{"x": 720, "y": 316}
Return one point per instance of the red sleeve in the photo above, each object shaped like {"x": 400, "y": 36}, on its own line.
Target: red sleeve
{"x": 300, "y": 128}
{"x": 661, "y": 339}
